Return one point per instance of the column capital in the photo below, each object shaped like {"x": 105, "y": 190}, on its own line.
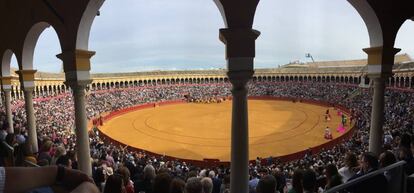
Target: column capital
{"x": 80, "y": 84}
{"x": 77, "y": 60}
{"x": 77, "y": 65}
{"x": 239, "y": 79}
{"x": 27, "y": 78}
{"x": 240, "y": 42}
{"x": 6, "y": 82}
{"x": 380, "y": 61}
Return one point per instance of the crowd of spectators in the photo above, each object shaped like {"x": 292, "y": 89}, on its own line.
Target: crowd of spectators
{"x": 116, "y": 168}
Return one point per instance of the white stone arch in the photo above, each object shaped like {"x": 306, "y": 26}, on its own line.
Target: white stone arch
{"x": 6, "y": 62}
{"x": 85, "y": 25}
{"x": 404, "y": 38}
{"x": 371, "y": 21}
{"x": 30, "y": 43}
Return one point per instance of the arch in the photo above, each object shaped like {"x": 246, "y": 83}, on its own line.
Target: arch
{"x": 399, "y": 81}
{"x": 85, "y": 25}
{"x": 404, "y": 38}
{"x": 30, "y": 43}
{"x": 371, "y": 21}
{"x": 367, "y": 80}
{"x": 411, "y": 81}
{"x": 406, "y": 82}
{"x": 6, "y": 62}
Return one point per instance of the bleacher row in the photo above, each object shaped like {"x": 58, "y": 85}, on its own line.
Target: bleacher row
{"x": 55, "y": 127}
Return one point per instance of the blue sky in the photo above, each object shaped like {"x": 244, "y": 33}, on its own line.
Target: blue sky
{"x": 138, "y": 35}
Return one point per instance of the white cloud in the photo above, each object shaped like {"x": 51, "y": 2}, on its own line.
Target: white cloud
{"x": 138, "y": 35}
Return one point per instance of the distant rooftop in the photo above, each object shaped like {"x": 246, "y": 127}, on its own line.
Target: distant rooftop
{"x": 399, "y": 59}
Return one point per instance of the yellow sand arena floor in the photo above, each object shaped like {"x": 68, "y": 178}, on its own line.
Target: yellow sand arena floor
{"x": 197, "y": 131}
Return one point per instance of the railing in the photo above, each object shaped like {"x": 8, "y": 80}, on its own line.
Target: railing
{"x": 410, "y": 184}
{"x": 30, "y": 164}
{"x": 395, "y": 184}
{"x": 9, "y": 160}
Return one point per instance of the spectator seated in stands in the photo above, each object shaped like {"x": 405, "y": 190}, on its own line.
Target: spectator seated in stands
{"x": 194, "y": 185}
{"x": 18, "y": 180}
{"x": 369, "y": 163}
{"x": 332, "y": 177}
{"x": 309, "y": 181}
{"x": 55, "y": 123}
{"x": 267, "y": 184}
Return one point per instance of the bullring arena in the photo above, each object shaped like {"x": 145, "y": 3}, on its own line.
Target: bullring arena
{"x": 202, "y": 131}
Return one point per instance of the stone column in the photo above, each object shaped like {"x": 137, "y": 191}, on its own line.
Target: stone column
{"x": 389, "y": 82}
{"x": 27, "y": 81}
{"x": 6, "y": 85}
{"x": 409, "y": 82}
{"x": 7, "y": 104}
{"x": 377, "y": 116}
{"x": 77, "y": 72}
{"x": 380, "y": 62}
{"x": 240, "y": 51}
{"x": 81, "y": 121}
{"x": 239, "y": 131}
{"x": 31, "y": 120}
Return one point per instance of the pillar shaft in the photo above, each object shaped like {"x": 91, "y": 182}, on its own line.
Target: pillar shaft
{"x": 380, "y": 62}
{"x": 7, "y": 104}
{"x": 239, "y": 177}
{"x": 377, "y": 116}
{"x": 26, "y": 77}
{"x": 77, "y": 66}
{"x": 82, "y": 137}
{"x": 30, "y": 118}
